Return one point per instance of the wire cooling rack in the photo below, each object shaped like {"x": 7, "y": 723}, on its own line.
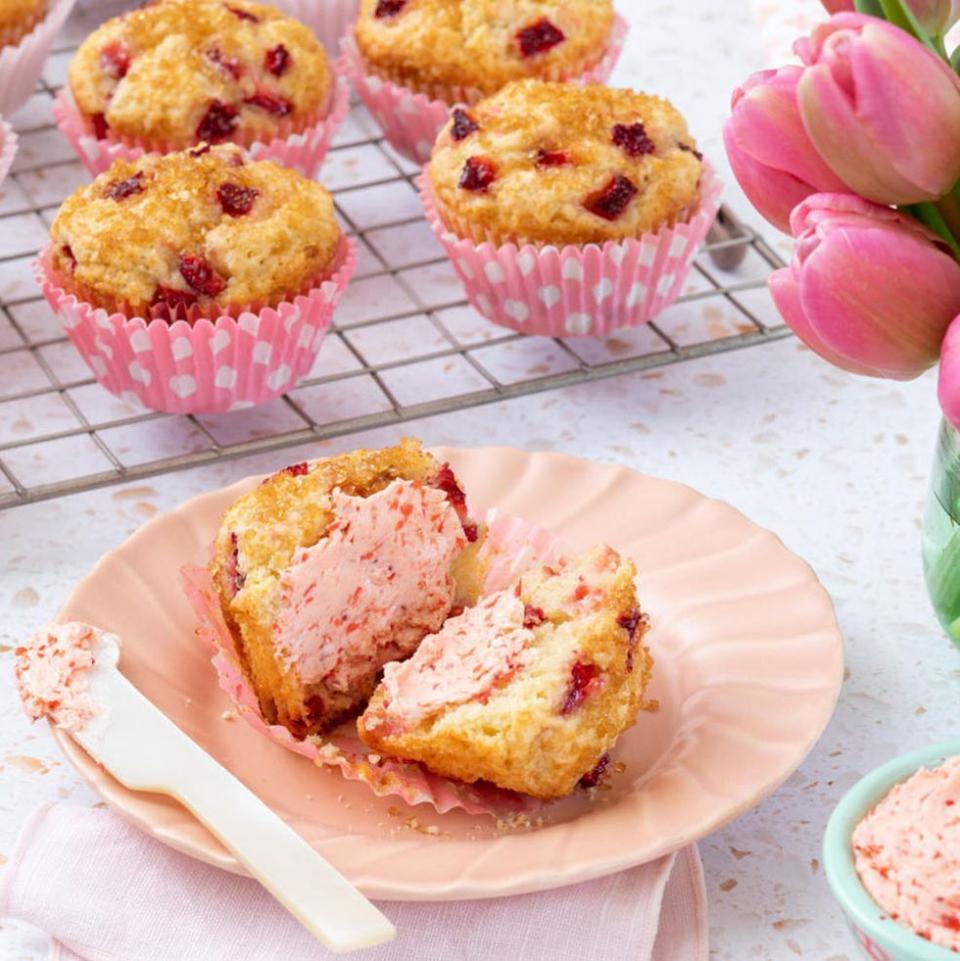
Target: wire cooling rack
{"x": 404, "y": 343}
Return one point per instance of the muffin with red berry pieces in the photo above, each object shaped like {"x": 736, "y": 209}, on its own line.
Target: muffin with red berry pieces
{"x": 176, "y": 73}
{"x": 330, "y": 569}
{"x": 414, "y": 56}
{"x": 529, "y": 688}
{"x": 18, "y": 18}
{"x": 27, "y": 31}
{"x": 153, "y": 263}
{"x": 330, "y": 20}
{"x": 560, "y": 169}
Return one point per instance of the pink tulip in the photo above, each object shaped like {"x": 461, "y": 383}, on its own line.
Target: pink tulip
{"x": 769, "y": 150}
{"x": 948, "y": 387}
{"x": 882, "y": 110}
{"x": 935, "y": 16}
{"x": 870, "y": 289}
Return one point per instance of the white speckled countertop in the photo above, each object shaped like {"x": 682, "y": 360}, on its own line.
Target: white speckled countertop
{"x": 836, "y": 465}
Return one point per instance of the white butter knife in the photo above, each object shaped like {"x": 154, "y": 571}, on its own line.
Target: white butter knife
{"x": 146, "y": 751}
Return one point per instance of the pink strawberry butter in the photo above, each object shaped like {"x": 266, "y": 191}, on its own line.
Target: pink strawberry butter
{"x": 907, "y": 852}
{"x": 52, "y": 674}
{"x": 470, "y": 655}
{"x": 386, "y": 554}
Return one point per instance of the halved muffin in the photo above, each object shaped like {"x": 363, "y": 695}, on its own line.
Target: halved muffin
{"x": 529, "y": 688}
{"x": 332, "y": 568}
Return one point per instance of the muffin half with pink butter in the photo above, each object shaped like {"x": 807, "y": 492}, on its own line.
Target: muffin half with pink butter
{"x": 907, "y": 853}
{"x": 330, "y": 569}
{"x": 528, "y": 689}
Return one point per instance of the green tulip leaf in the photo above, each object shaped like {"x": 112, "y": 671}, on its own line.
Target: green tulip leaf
{"x": 929, "y": 216}
{"x": 900, "y": 15}
{"x": 955, "y": 60}
{"x": 870, "y": 7}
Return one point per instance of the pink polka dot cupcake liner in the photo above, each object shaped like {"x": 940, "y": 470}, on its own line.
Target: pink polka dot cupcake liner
{"x": 410, "y": 121}
{"x": 22, "y": 63}
{"x": 573, "y": 291}
{"x": 8, "y": 148}
{"x": 206, "y": 364}
{"x": 303, "y": 150}
{"x": 328, "y": 19}
{"x": 512, "y": 545}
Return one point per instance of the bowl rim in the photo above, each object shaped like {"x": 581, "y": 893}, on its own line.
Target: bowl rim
{"x": 838, "y": 860}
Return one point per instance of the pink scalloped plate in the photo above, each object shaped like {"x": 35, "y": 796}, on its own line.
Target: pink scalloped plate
{"x": 749, "y": 662}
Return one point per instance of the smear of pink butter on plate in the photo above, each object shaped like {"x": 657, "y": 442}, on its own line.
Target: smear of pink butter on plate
{"x": 52, "y": 674}
{"x": 907, "y": 852}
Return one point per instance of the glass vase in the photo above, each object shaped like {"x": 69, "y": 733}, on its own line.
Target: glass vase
{"x": 941, "y": 532}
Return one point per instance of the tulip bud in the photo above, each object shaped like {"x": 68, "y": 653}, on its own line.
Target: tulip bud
{"x": 870, "y": 289}
{"x": 948, "y": 386}
{"x": 935, "y": 16}
{"x": 881, "y": 109}
{"x": 769, "y": 150}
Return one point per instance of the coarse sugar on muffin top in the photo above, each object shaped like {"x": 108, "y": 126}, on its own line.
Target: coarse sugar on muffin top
{"x": 177, "y": 72}
{"x": 18, "y": 18}
{"x": 199, "y": 227}
{"x": 437, "y": 46}
{"x": 554, "y": 163}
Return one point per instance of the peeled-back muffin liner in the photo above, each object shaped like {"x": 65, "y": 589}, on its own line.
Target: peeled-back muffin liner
{"x": 574, "y": 291}
{"x": 328, "y": 19}
{"x": 8, "y": 148}
{"x": 22, "y": 63}
{"x": 303, "y": 150}
{"x": 205, "y": 364}
{"x": 411, "y": 120}
{"x": 512, "y": 546}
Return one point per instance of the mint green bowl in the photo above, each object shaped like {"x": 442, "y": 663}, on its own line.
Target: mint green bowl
{"x": 880, "y": 938}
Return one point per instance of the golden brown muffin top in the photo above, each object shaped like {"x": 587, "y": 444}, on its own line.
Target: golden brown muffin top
{"x": 178, "y": 72}
{"x": 481, "y": 44}
{"x": 200, "y": 226}
{"x": 558, "y": 163}
{"x": 17, "y": 17}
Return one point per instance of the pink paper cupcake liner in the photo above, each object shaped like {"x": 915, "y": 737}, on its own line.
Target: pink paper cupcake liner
{"x": 577, "y": 291}
{"x": 328, "y": 19}
{"x": 513, "y": 545}
{"x": 304, "y": 150}
{"x": 411, "y": 121}
{"x": 8, "y": 148}
{"x": 21, "y": 64}
{"x": 207, "y": 365}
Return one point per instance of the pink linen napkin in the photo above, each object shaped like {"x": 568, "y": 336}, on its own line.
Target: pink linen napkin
{"x": 105, "y": 891}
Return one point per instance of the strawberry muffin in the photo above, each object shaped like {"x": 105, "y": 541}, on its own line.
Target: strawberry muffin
{"x": 176, "y": 73}
{"x": 529, "y": 688}
{"x": 551, "y": 163}
{"x": 443, "y": 47}
{"x": 196, "y": 233}
{"x": 332, "y": 568}
{"x": 18, "y": 18}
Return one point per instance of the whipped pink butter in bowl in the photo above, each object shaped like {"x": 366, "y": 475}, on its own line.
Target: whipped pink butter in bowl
{"x": 892, "y": 857}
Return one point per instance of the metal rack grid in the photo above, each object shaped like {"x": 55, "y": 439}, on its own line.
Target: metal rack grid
{"x": 404, "y": 344}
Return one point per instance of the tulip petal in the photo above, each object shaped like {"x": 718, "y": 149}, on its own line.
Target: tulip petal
{"x": 773, "y": 192}
{"x": 881, "y": 109}
{"x": 766, "y": 124}
{"x": 948, "y": 384}
{"x": 786, "y": 295}
{"x": 881, "y": 296}
{"x": 910, "y": 101}
{"x": 833, "y": 126}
